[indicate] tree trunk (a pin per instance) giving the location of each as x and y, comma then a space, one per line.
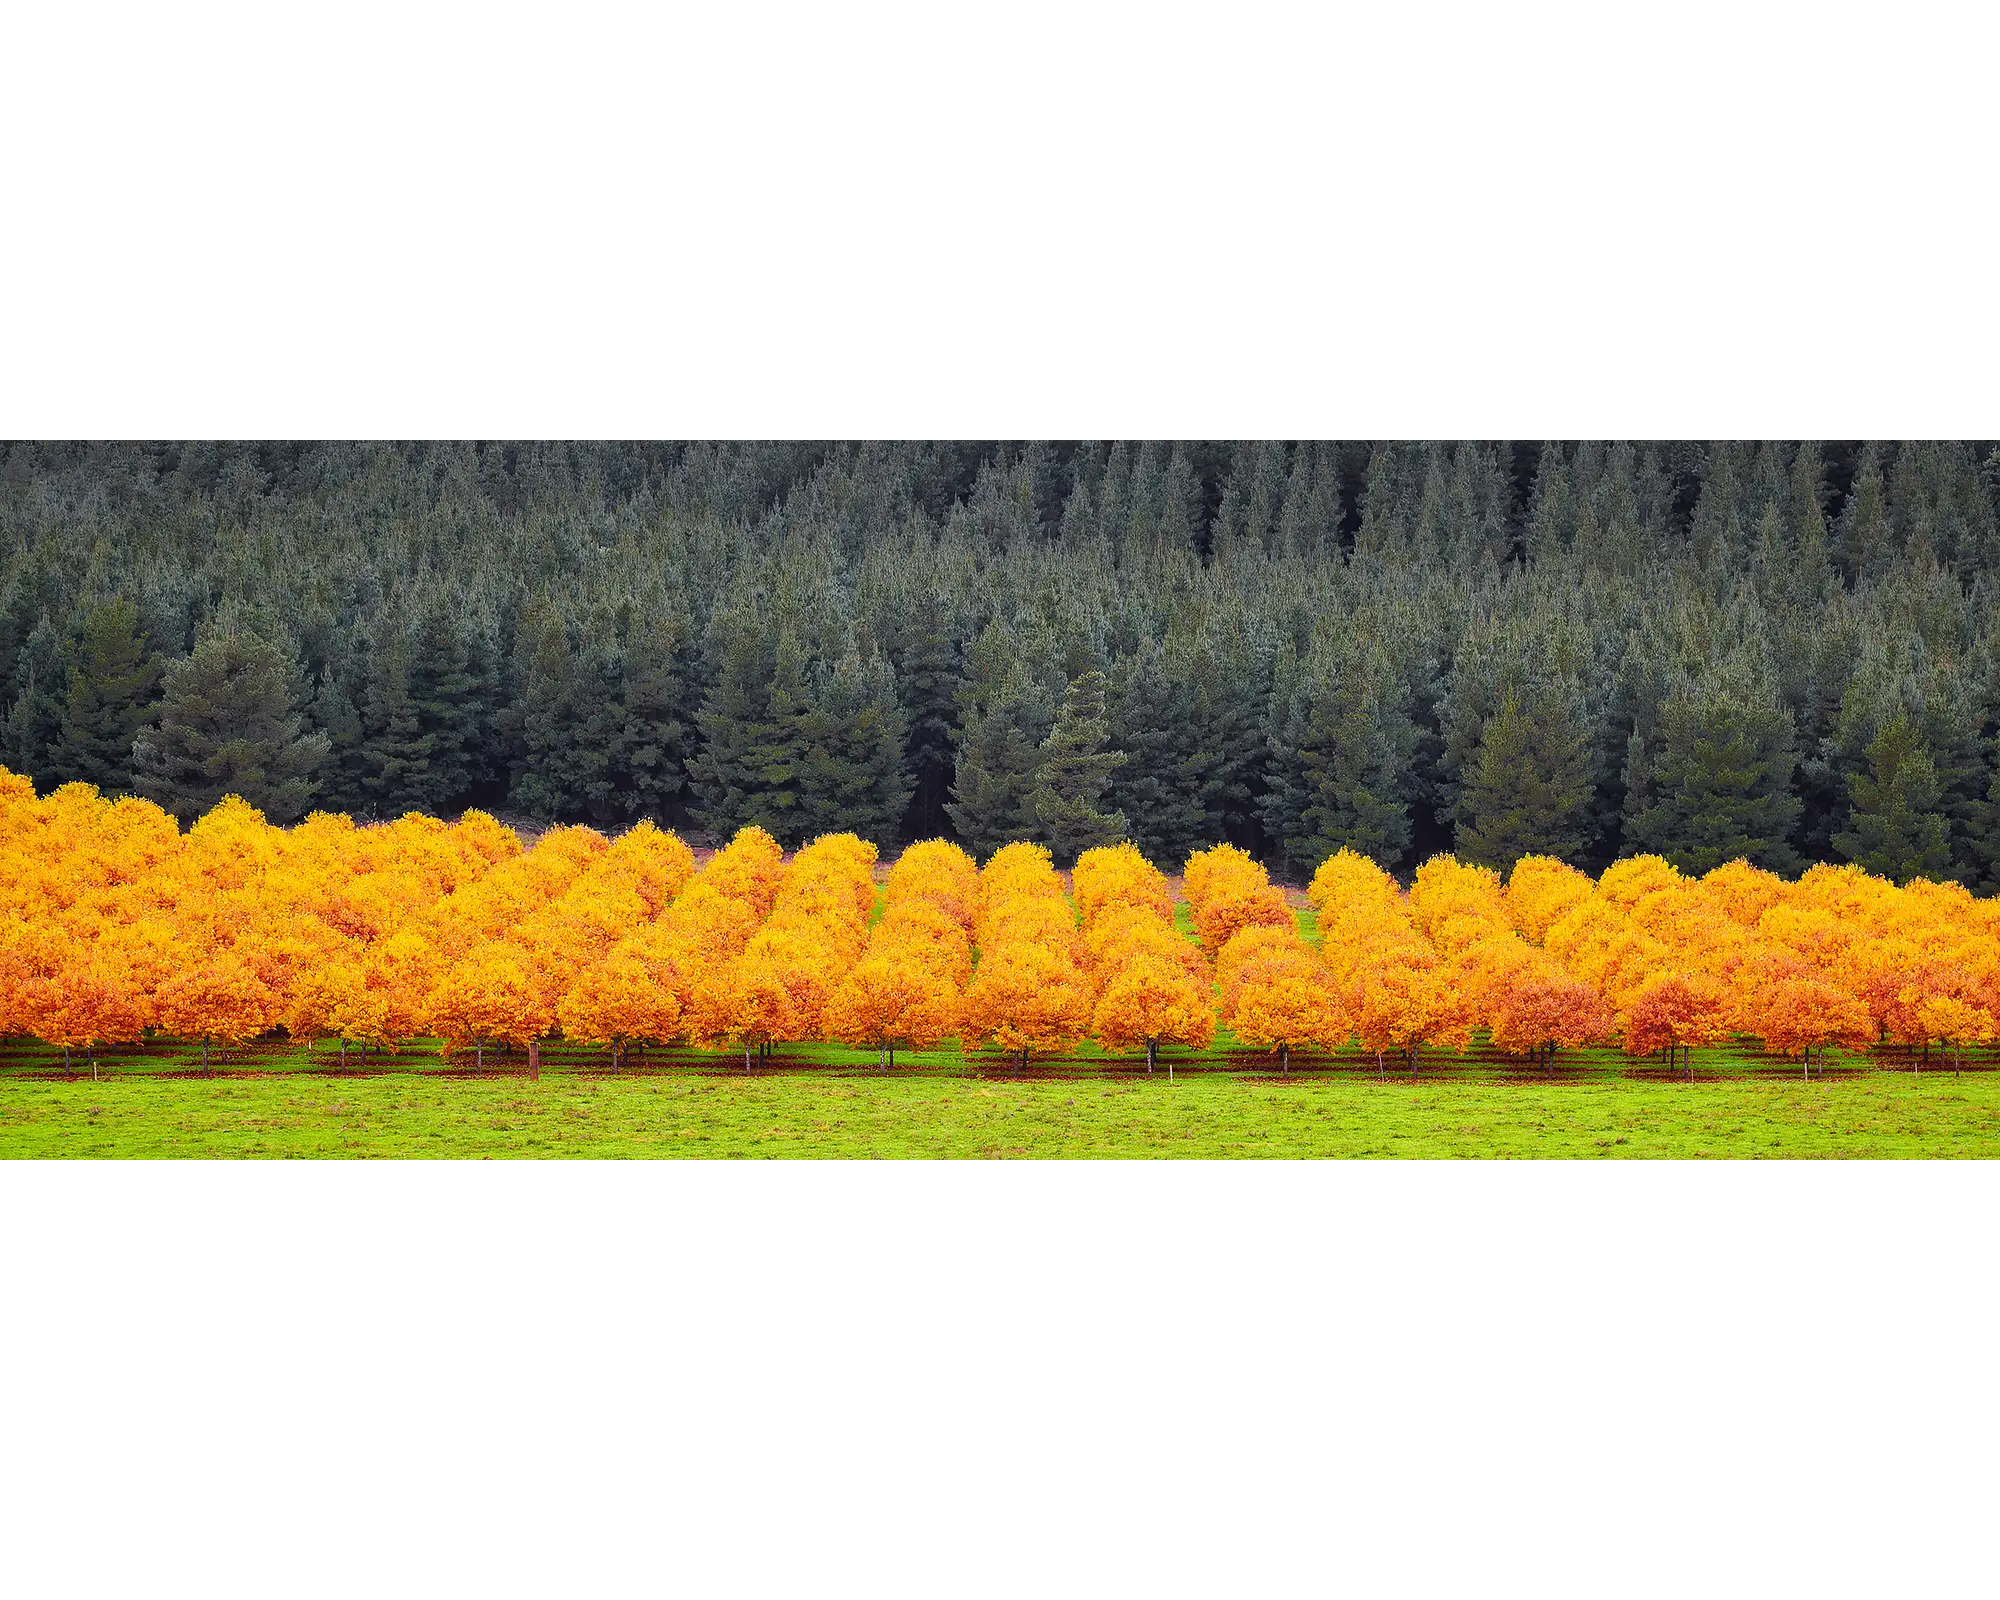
93, 1066
343, 1052
1380, 1070
1285, 1059
535, 1059
1152, 1051
479, 1055
746, 1058
892, 1058
205, 1072
67, 1073
882, 1058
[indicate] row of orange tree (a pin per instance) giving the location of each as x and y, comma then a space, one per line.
114, 923
908, 988
1031, 990
1276, 993
1152, 986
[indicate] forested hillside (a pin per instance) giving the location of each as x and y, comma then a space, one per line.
1782, 652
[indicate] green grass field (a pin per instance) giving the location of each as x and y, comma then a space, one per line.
799, 1114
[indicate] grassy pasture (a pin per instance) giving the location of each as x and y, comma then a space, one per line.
785, 1112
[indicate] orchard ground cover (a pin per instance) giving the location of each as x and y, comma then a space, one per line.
798, 1114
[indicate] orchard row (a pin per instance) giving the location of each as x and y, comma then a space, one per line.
114, 926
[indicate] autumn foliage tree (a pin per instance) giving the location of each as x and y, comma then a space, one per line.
1030, 991
907, 990
116, 924
1153, 986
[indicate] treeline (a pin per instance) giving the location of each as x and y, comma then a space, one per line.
1777, 652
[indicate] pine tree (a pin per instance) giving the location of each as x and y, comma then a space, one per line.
653, 740
1720, 529
543, 784
1232, 682
227, 725
753, 742
1183, 521
447, 691
998, 757
1342, 743
1154, 720
852, 776
395, 750
1864, 548
1075, 769
1005, 714
926, 659
1552, 507
1528, 791
113, 682
1720, 787
1309, 524
33, 729
343, 776
597, 719
1894, 829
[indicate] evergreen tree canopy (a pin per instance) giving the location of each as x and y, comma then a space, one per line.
1074, 771
754, 738
1305, 643
1722, 787
852, 774
1528, 792
1342, 739
113, 680
227, 725
1895, 830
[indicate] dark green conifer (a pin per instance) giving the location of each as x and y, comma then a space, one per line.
1076, 766
853, 778
395, 750
1006, 716
1720, 787
33, 729
1528, 791
653, 734
1342, 739
114, 680
447, 691
753, 742
1865, 545
343, 776
543, 785
227, 725
1894, 829
925, 655
1155, 721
